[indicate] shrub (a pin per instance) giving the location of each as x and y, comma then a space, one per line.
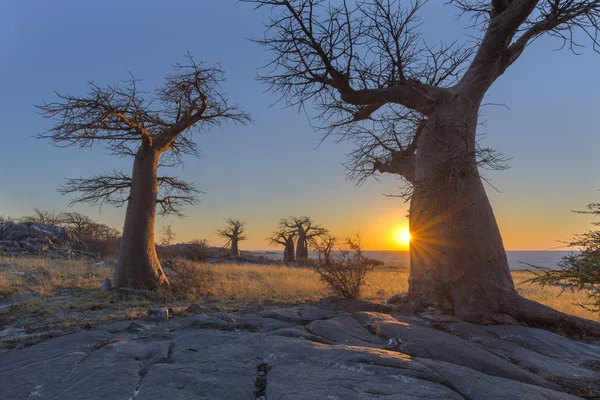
190, 281
345, 269
578, 271
196, 250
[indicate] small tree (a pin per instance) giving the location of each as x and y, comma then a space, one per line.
98, 237
234, 233
345, 270
155, 131
324, 245
168, 234
578, 271
285, 237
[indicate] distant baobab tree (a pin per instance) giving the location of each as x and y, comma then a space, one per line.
234, 233
412, 110
286, 237
155, 130
306, 230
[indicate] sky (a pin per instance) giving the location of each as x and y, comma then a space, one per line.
543, 112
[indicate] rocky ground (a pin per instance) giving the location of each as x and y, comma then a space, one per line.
331, 350
19, 239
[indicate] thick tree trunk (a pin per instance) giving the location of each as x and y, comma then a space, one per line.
288, 251
137, 265
458, 261
235, 249
301, 247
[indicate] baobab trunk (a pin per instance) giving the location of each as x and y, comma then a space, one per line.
458, 261
301, 246
235, 249
288, 252
137, 265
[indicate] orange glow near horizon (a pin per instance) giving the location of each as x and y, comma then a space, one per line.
402, 237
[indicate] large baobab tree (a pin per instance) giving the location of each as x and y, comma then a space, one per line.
234, 233
286, 237
307, 232
412, 110
155, 130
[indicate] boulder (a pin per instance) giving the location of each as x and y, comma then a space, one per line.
106, 285
158, 314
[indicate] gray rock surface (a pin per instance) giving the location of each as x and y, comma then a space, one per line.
158, 314
301, 352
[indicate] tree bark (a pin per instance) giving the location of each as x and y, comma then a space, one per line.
235, 249
301, 246
138, 266
458, 262
288, 251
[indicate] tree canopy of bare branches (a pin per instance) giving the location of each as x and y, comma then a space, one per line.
411, 109
157, 130
375, 80
285, 237
306, 231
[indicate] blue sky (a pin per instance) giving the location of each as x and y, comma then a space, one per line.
272, 168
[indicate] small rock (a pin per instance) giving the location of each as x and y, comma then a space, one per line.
197, 309
106, 285
158, 314
398, 298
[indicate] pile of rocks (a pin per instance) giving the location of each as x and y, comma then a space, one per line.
36, 239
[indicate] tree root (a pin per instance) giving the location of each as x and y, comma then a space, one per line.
533, 314
519, 311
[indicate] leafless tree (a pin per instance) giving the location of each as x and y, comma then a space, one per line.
286, 237
168, 234
97, 237
307, 232
45, 217
234, 233
324, 245
155, 130
412, 110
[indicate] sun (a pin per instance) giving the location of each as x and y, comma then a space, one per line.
402, 237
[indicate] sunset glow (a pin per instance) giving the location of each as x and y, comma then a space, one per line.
402, 237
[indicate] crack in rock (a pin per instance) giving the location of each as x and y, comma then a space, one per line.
260, 385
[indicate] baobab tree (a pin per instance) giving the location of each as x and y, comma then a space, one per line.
307, 232
155, 130
234, 233
412, 111
286, 237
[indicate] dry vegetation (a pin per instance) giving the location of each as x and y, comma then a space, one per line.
63, 294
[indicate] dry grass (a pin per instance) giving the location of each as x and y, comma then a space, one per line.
567, 301
227, 284
46, 276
